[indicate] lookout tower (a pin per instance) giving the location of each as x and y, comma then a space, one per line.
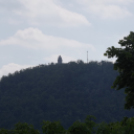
59, 60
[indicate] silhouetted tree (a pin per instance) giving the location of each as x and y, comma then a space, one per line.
125, 66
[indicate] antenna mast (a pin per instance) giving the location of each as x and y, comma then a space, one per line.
87, 56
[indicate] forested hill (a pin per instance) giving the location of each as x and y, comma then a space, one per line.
64, 92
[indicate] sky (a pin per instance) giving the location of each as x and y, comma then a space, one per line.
34, 32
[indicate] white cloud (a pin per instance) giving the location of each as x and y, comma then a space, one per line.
110, 11
107, 9
50, 12
35, 39
41, 12
11, 68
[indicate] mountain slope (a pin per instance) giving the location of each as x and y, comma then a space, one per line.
65, 92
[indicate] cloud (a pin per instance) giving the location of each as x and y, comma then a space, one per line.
35, 39
107, 9
11, 68
50, 12
41, 12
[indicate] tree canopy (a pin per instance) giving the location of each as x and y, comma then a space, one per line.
125, 66
63, 92
89, 126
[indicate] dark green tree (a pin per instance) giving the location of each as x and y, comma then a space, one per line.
90, 123
79, 128
4, 131
52, 127
24, 128
125, 66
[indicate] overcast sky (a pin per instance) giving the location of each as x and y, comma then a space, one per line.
34, 32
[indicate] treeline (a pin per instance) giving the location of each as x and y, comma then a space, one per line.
87, 127
62, 92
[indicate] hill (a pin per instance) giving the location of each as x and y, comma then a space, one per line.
64, 92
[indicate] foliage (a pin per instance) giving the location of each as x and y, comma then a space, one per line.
126, 126
79, 128
24, 128
83, 128
20, 128
65, 92
4, 131
52, 127
90, 123
125, 66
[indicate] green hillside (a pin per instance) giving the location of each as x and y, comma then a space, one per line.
62, 92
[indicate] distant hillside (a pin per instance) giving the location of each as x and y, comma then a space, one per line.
64, 92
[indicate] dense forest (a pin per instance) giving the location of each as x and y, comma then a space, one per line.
61, 92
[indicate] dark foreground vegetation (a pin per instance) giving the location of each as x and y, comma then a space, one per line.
126, 126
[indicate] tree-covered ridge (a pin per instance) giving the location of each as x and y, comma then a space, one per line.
62, 92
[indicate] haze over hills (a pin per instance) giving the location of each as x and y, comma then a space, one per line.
64, 92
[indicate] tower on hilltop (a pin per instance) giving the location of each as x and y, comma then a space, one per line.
59, 60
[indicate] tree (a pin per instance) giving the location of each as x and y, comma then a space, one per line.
59, 60
52, 127
4, 131
24, 128
125, 66
80, 62
89, 121
83, 128
79, 128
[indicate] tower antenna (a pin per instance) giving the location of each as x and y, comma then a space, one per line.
87, 56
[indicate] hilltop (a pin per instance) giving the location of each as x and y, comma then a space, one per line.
64, 92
